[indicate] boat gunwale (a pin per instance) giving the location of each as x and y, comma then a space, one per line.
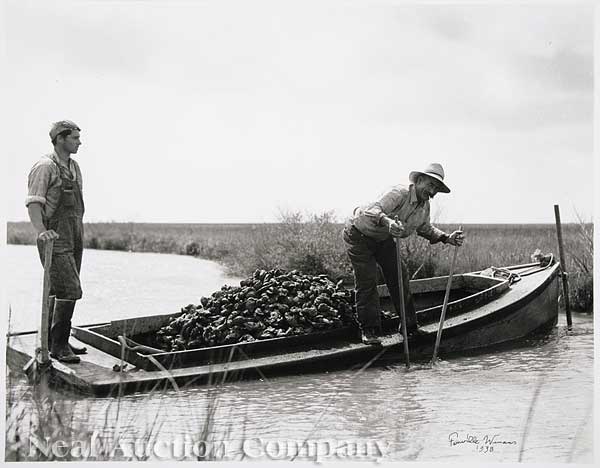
183, 358
189, 377
132, 357
502, 312
529, 294
471, 301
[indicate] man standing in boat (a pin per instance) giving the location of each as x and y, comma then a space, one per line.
55, 206
369, 237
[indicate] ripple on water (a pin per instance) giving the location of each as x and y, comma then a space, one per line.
414, 411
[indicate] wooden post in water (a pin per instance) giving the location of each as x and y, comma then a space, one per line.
565, 283
402, 306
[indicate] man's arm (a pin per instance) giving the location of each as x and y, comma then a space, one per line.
35, 215
379, 210
37, 187
431, 233
434, 235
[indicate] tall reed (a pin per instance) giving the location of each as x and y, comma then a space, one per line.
313, 243
43, 424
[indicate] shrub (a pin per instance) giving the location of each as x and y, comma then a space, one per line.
312, 243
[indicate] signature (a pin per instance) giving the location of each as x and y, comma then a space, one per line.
483, 444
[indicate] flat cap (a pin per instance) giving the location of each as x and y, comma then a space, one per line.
61, 126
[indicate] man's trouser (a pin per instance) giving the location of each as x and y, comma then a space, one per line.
365, 254
65, 285
66, 259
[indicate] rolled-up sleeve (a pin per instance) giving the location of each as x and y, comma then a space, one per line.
385, 205
429, 231
38, 183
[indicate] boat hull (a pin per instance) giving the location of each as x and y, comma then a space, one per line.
526, 307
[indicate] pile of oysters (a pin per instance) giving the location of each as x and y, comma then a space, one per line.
269, 304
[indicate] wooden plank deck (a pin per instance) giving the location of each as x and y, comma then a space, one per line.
95, 374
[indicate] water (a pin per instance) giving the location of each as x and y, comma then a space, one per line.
115, 285
532, 403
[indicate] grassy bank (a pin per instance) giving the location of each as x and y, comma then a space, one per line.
313, 245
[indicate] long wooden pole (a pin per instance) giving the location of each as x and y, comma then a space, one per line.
36, 368
438, 338
402, 307
563, 266
43, 354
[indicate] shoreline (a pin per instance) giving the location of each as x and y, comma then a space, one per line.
314, 246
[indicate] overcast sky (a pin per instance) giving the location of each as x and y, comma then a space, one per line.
221, 111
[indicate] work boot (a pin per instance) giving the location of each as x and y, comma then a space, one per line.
412, 325
368, 336
413, 330
60, 331
416, 332
75, 349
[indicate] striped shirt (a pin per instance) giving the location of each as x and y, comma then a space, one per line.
43, 185
401, 202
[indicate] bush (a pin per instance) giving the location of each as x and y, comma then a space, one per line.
313, 243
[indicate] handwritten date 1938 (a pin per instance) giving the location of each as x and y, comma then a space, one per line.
483, 444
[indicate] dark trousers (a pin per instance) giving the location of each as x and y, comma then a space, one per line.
66, 258
365, 254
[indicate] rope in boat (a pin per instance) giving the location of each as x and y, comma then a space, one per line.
514, 277
536, 269
503, 273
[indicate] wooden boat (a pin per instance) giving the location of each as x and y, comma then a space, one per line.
486, 308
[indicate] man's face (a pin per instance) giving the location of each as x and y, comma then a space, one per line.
426, 188
71, 143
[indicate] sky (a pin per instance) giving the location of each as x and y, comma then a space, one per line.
226, 111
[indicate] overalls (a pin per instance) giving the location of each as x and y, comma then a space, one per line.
67, 221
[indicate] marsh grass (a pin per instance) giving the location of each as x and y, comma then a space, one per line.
43, 417
312, 243
43, 424
101, 429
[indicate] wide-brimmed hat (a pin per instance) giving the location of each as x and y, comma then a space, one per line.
435, 171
